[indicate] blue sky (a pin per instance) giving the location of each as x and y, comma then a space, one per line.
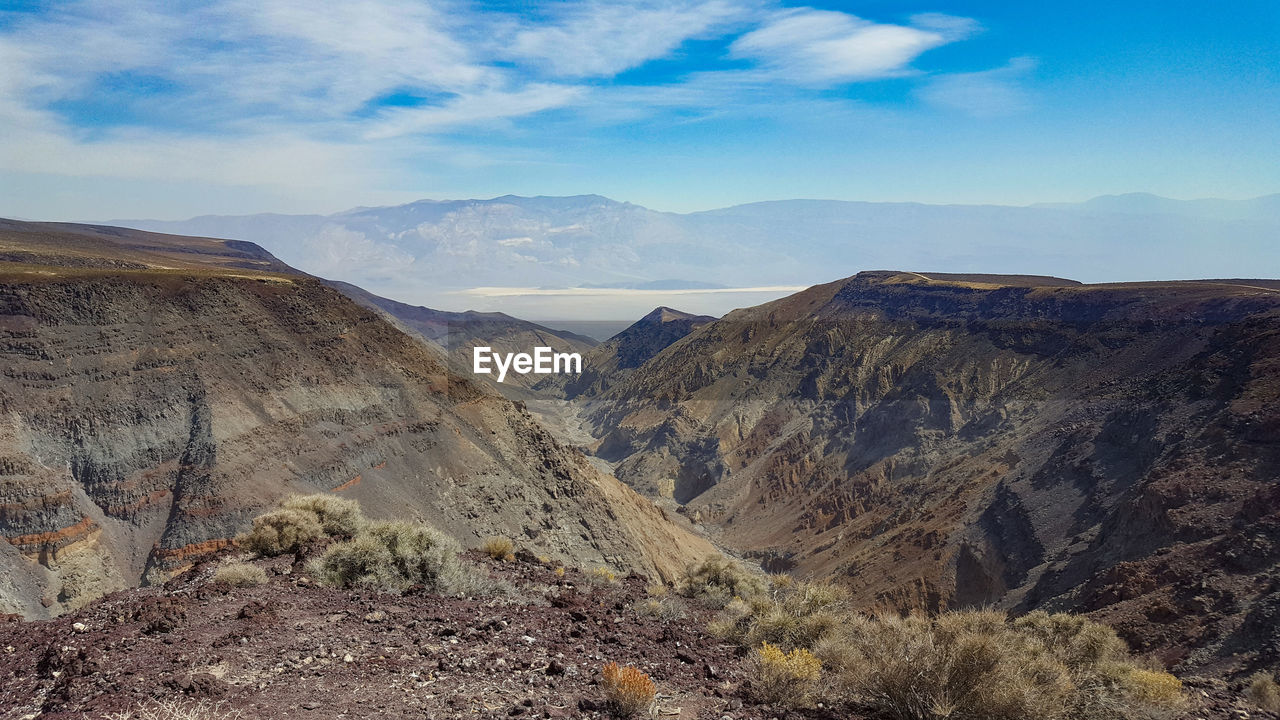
172, 109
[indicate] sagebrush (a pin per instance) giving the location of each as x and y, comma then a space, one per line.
282, 531
337, 516
961, 665
392, 556
717, 580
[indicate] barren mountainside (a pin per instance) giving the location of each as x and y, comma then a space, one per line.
621, 354
159, 391
457, 333
946, 441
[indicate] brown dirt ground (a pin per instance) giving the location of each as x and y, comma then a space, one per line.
291, 649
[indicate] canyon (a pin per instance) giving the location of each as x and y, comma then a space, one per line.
159, 391
937, 442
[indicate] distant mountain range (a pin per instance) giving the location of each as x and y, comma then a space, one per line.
426, 252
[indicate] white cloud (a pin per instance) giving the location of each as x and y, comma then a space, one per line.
601, 39
291, 94
480, 107
826, 47
988, 93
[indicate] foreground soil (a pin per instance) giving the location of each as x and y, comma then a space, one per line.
290, 649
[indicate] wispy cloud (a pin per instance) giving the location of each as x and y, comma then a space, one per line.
301, 94
825, 47
602, 39
988, 93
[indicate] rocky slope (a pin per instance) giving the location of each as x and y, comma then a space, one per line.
1027, 442
159, 390
620, 355
289, 648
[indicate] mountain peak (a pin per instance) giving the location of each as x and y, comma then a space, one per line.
663, 314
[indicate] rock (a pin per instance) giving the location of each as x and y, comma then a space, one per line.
347, 658
79, 627
555, 668
376, 616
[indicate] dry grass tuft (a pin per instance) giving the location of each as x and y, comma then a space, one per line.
667, 608
627, 690
601, 576
1263, 691
239, 574
175, 710
499, 548
782, 678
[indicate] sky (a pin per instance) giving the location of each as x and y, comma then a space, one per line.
171, 109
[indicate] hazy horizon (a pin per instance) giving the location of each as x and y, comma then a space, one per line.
155, 110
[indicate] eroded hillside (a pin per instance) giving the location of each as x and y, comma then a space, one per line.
160, 390
937, 442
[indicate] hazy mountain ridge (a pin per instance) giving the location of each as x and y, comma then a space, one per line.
421, 251
457, 333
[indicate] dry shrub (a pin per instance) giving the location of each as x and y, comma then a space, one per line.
499, 548
972, 665
782, 678
666, 608
793, 614
392, 556
601, 576
717, 581
1263, 691
337, 516
281, 531
239, 574
175, 710
1078, 642
627, 690
963, 665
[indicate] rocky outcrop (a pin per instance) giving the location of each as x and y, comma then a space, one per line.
936, 442
621, 354
147, 414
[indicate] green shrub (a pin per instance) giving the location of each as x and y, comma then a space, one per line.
392, 556
1263, 691
281, 531
337, 516
717, 580
239, 574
